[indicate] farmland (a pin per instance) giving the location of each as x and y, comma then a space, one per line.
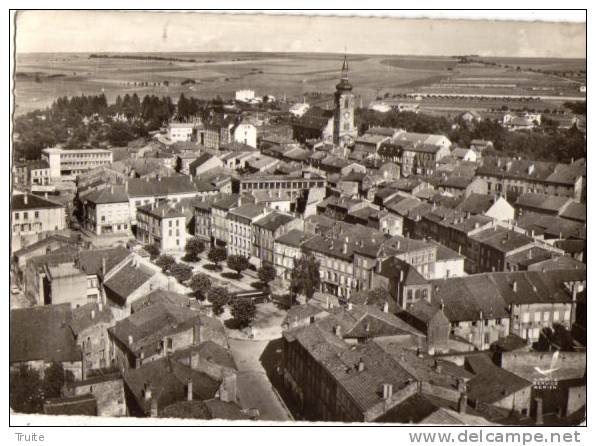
40, 78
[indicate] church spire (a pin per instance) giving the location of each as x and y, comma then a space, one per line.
344, 67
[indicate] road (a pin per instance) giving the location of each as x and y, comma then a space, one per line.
254, 388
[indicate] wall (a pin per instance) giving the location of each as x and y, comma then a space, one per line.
71, 289
109, 395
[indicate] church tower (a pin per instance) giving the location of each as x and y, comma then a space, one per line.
344, 130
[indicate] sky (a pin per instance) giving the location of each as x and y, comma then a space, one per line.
105, 31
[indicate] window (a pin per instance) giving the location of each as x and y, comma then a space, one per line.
546, 316
36, 214
25, 215
537, 316
103, 218
17, 216
567, 315
526, 318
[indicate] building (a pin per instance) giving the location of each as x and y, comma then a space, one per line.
287, 249
244, 133
40, 336
514, 177
269, 228
31, 217
162, 225
404, 283
180, 131
333, 377
174, 188
31, 173
107, 211
295, 184
245, 95
65, 164
89, 324
240, 228
494, 207
107, 392
298, 110
204, 163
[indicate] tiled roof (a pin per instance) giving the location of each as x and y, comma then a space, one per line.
112, 194
209, 351
552, 225
85, 405
250, 210
167, 380
476, 203
294, 237
149, 325
17, 203
160, 211
90, 261
42, 333
392, 268
159, 296
127, 280
502, 239
176, 184
491, 383
273, 221
88, 315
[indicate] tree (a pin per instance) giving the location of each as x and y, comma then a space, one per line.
181, 271
200, 284
238, 263
152, 250
26, 390
267, 273
244, 311
219, 297
54, 378
194, 247
305, 276
217, 254
165, 262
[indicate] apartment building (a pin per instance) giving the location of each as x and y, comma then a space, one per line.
294, 184
287, 249
65, 165
162, 225
240, 228
267, 229
32, 216
107, 211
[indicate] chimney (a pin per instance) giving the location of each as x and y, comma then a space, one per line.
126, 186
196, 334
514, 286
193, 360
345, 248
189, 390
387, 391
438, 368
337, 331
463, 402
350, 306
103, 266
147, 392
154, 408
92, 314
360, 365
100, 305
130, 339
386, 307
539, 411
25, 198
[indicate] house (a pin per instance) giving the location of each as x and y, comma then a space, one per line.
107, 211
40, 336
463, 154
470, 117
107, 391
156, 331
89, 325
162, 225
31, 217
173, 188
430, 320
180, 131
563, 207
404, 283
497, 388
204, 163
480, 145
240, 228
267, 229
131, 282
350, 381
494, 207
244, 133
514, 177
287, 249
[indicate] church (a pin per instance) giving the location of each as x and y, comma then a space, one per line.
331, 126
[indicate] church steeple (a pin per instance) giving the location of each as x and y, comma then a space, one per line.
344, 83
344, 68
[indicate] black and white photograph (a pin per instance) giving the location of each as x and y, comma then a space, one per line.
270, 218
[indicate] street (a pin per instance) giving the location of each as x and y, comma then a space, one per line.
254, 388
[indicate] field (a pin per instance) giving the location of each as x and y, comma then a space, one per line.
40, 78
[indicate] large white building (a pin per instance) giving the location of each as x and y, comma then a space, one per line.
65, 165
245, 133
245, 95
180, 131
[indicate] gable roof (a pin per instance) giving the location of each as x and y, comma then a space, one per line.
25, 202
91, 261
175, 184
107, 195
127, 280
42, 333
